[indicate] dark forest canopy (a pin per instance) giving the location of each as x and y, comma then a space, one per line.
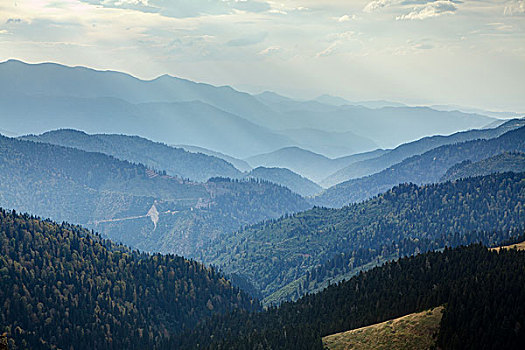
64, 286
301, 253
483, 293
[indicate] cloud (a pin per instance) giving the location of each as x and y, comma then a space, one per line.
341, 36
270, 50
250, 6
515, 7
330, 50
248, 40
338, 42
278, 12
185, 8
378, 4
346, 18
423, 46
429, 10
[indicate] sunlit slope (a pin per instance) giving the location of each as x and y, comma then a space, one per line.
416, 331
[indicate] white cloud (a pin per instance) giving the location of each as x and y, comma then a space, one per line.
378, 4
346, 18
429, 10
330, 50
217, 41
338, 43
515, 7
270, 50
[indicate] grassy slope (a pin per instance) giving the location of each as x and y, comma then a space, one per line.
414, 331
518, 246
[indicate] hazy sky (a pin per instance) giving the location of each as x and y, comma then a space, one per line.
417, 51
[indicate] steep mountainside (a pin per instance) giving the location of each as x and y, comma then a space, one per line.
280, 256
175, 161
131, 203
287, 178
63, 286
238, 163
482, 290
513, 161
426, 168
374, 165
306, 163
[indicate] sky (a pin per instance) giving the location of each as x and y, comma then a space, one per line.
468, 53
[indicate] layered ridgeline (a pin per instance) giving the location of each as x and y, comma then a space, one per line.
509, 161
131, 203
307, 163
425, 168
175, 161
482, 292
371, 166
301, 253
64, 287
40, 97
236, 162
287, 178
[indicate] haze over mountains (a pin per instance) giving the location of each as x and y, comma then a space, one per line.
428, 167
337, 214
48, 96
373, 165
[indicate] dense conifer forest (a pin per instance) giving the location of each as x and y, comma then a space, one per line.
63, 286
301, 253
482, 290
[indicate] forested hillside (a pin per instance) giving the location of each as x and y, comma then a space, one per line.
482, 292
280, 256
287, 178
131, 203
398, 154
63, 286
175, 161
426, 168
511, 161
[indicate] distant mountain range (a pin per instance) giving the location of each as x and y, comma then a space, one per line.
38, 97
428, 167
309, 164
377, 164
